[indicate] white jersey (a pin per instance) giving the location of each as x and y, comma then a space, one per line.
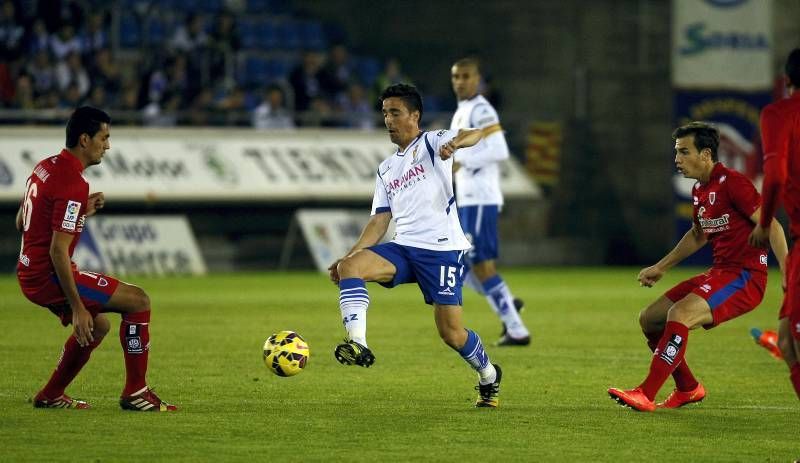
416, 186
478, 179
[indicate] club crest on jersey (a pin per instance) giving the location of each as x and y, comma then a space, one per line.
414, 160
712, 197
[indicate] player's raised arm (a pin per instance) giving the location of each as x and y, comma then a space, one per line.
465, 138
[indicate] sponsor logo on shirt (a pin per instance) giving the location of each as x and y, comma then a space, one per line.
763, 259
714, 225
24, 260
409, 178
67, 225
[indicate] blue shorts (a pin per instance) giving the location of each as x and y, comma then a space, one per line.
480, 225
438, 273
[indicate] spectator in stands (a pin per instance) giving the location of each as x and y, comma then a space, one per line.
190, 36
56, 13
129, 98
95, 37
97, 97
65, 42
71, 97
23, 93
224, 43
162, 113
11, 33
272, 113
391, 75
305, 83
337, 73
357, 111
232, 106
37, 38
71, 72
105, 73
202, 108
42, 72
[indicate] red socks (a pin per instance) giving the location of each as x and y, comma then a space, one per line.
666, 358
794, 375
73, 358
684, 379
134, 335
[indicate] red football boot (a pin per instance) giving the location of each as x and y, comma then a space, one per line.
145, 401
680, 398
64, 401
633, 398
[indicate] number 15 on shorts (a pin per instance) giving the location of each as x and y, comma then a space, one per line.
447, 275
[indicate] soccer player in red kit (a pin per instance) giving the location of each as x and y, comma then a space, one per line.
780, 135
726, 208
51, 219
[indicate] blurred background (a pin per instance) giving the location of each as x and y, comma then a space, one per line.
252, 127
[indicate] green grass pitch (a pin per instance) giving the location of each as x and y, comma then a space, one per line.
416, 403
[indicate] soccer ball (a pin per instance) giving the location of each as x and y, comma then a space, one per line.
286, 353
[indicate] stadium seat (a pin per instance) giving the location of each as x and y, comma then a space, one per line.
248, 33
368, 69
129, 31
312, 35
155, 31
255, 71
267, 35
258, 6
289, 35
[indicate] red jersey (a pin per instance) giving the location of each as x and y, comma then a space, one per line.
722, 210
55, 200
780, 135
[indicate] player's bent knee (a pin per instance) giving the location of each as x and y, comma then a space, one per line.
349, 268
132, 299
101, 326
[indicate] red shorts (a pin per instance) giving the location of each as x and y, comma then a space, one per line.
94, 289
729, 292
791, 300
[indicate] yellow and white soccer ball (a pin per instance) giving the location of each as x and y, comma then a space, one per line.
286, 353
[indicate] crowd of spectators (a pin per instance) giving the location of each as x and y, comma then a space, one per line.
61, 54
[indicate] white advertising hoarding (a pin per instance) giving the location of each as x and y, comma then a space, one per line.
139, 245
222, 164
720, 44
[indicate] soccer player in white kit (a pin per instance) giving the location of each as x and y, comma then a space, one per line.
479, 199
415, 187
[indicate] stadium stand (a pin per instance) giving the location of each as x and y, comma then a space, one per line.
160, 62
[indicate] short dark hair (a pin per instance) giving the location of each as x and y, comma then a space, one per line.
792, 68
469, 61
85, 119
406, 92
705, 136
